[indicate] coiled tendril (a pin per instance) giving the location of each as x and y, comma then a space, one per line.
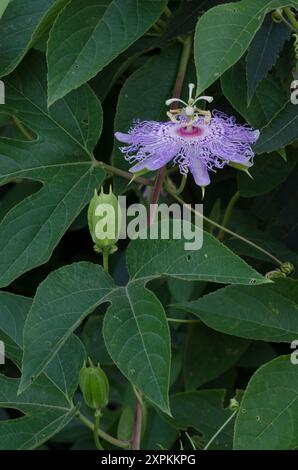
295, 35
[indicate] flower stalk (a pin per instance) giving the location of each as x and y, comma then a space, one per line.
106, 437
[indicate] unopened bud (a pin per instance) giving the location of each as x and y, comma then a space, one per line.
104, 220
287, 268
94, 385
277, 274
234, 404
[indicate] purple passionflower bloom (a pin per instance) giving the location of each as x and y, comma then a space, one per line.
195, 140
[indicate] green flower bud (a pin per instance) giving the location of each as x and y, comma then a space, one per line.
104, 220
94, 385
287, 268
234, 404
277, 274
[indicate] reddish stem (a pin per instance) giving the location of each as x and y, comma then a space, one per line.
156, 194
136, 438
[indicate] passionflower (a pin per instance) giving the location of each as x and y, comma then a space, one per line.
196, 140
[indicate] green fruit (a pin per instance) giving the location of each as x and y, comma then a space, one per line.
104, 220
95, 386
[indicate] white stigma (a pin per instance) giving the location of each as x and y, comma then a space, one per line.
209, 99
172, 100
191, 87
189, 109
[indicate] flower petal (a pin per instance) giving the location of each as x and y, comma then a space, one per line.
126, 138
153, 162
200, 172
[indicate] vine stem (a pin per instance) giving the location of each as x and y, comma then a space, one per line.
136, 437
105, 166
220, 429
185, 56
112, 440
228, 214
177, 320
230, 232
156, 193
124, 174
96, 429
105, 255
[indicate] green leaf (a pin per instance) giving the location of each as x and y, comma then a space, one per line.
63, 370
272, 245
62, 301
60, 157
263, 52
267, 313
213, 262
268, 100
268, 416
21, 25
142, 349
257, 354
46, 411
47, 406
16, 194
282, 130
204, 411
158, 434
14, 310
137, 337
93, 341
88, 35
209, 354
132, 58
224, 33
3, 7
268, 172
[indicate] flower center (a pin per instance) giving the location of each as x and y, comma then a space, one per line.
193, 131
189, 109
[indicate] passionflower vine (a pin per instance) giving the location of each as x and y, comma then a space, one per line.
194, 139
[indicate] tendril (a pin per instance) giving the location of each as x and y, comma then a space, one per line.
295, 35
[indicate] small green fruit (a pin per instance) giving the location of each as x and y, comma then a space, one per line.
94, 385
104, 220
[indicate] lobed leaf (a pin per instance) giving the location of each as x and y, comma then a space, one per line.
87, 35
60, 157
